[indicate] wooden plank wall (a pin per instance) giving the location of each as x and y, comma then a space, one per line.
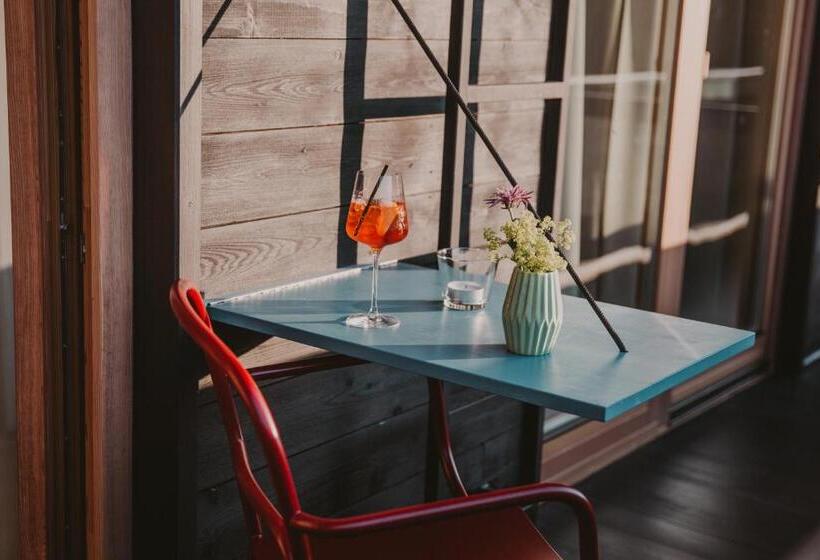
296, 95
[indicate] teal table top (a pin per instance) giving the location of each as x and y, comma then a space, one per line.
585, 374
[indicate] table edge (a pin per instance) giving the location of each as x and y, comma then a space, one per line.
444, 373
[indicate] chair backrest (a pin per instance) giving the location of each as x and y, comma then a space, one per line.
266, 524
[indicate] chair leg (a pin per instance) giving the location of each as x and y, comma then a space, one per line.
432, 461
439, 444
587, 532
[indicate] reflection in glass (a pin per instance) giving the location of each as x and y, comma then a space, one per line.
617, 118
723, 277
622, 60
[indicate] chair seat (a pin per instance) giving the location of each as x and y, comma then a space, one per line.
499, 535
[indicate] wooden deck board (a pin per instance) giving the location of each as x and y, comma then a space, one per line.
739, 482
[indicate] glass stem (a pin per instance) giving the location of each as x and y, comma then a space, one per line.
373, 314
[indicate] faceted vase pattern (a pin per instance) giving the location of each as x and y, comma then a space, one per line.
533, 312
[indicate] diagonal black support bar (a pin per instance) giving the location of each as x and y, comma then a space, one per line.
453, 90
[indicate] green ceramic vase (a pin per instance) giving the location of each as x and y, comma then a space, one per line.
533, 312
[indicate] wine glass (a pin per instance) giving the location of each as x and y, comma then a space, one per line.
377, 217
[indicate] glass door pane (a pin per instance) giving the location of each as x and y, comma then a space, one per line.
619, 109
733, 187
618, 113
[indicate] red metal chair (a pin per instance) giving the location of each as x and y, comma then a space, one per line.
488, 526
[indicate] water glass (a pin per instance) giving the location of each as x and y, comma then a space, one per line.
466, 276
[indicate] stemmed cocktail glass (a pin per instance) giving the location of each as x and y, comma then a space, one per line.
377, 217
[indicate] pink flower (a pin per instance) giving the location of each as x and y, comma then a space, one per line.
509, 197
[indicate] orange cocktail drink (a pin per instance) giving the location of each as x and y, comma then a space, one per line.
383, 223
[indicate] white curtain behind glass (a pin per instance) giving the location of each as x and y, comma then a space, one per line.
609, 157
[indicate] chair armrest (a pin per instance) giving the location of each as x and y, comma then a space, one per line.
455, 507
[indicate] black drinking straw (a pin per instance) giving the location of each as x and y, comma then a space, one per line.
370, 200
451, 87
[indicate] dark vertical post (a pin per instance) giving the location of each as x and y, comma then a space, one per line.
353, 128
452, 172
555, 110
432, 475
164, 390
532, 443
793, 298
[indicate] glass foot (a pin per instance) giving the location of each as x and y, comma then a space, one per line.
364, 321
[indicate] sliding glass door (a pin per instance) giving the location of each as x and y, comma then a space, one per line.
617, 175
672, 175
733, 191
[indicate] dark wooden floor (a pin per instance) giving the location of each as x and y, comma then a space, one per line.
741, 481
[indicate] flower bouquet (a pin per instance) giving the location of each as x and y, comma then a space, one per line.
533, 308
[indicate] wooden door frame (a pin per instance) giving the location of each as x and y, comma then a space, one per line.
105, 28
799, 170
106, 171
798, 243
29, 156
687, 85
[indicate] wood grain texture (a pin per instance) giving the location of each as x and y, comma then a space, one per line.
190, 135
492, 464
512, 62
252, 255
8, 432
357, 471
517, 135
269, 83
247, 176
327, 477
253, 175
738, 482
311, 411
323, 19
32, 347
339, 19
107, 170
317, 409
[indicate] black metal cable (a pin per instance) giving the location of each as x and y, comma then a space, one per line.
506, 170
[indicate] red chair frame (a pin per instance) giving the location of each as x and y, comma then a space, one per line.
284, 533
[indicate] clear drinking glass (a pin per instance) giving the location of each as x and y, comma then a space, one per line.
377, 217
467, 276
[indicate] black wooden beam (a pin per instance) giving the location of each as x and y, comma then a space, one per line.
164, 394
